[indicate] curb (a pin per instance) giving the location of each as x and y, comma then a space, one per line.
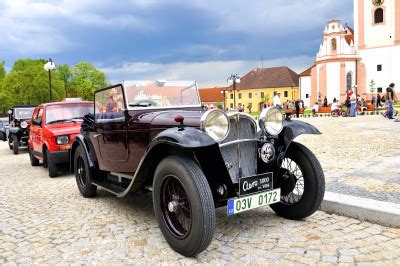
364, 209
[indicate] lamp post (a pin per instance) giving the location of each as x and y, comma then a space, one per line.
234, 79
224, 93
48, 67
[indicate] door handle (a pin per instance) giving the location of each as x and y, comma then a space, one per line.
97, 135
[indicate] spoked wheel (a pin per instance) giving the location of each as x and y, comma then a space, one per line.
183, 205
175, 207
82, 174
15, 144
292, 182
302, 183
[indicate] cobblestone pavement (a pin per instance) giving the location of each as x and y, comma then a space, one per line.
46, 221
360, 156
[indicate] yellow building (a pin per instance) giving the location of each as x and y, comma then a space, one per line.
259, 85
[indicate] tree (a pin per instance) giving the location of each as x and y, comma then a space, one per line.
64, 72
2, 70
27, 83
85, 80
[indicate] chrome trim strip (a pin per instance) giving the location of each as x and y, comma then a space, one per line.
237, 141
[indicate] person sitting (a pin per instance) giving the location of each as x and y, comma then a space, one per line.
315, 108
335, 109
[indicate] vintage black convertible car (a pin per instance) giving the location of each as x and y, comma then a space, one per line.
154, 136
19, 118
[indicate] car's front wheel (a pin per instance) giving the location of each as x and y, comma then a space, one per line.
302, 183
33, 159
52, 167
15, 144
82, 174
3, 136
183, 205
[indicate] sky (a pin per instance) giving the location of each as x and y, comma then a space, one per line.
203, 40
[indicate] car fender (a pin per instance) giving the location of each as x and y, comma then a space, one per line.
14, 130
189, 142
80, 140
291, 130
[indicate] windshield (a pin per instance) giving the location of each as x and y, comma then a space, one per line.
161, 93
67, 112
23, 113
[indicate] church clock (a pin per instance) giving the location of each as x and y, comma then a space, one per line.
378, 2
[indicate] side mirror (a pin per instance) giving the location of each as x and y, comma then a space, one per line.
37, 122
9, 112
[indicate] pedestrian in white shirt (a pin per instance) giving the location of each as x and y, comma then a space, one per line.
315, 108
277, 101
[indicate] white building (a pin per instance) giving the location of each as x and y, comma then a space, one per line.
368, 56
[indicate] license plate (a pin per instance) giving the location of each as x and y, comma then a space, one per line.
255, 184
242, 204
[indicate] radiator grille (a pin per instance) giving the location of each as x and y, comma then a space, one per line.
240, 157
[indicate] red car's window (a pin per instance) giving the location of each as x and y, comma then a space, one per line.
67, 112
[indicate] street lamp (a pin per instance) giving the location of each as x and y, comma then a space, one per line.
48, 67
234, 79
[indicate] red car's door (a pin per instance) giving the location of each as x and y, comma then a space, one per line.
37, 132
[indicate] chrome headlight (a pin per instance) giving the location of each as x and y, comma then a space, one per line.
62, 140
271, 121
215, 123
24, 124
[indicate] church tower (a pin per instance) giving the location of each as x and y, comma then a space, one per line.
377, 40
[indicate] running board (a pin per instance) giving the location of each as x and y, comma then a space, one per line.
109, 187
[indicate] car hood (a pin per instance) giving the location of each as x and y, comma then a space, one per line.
64, 128
166, 119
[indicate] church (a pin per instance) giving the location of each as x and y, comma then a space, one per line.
365, 59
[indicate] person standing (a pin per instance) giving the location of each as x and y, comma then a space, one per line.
325, 102
297, 106
378, 101
390, 98
353, 101
373, 100
277, 101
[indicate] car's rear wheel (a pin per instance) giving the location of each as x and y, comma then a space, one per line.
183, 205
302, 184
82, 174
33, 159
3, 136
15, 144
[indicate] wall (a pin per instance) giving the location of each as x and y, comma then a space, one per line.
305, 88
256, 96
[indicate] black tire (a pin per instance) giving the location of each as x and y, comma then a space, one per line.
82, 174
313, 185
15, 144
45, 163
3, 136
52, 167
10, 146
199, 203
34, 161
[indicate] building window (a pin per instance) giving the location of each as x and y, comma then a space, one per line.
379, 67
349, 81
231, 96
239, 96
250, 95
378, 15
307, 96
379, 90
285, 94
262, 95
333, 44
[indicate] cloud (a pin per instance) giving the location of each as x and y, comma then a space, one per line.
213, 73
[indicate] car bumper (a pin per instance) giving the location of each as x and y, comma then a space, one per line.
59, 156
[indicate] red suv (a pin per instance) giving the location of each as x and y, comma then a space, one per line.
54, 127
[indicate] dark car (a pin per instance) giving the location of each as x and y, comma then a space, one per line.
155, 136
54, 127
19, 118
3, 128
